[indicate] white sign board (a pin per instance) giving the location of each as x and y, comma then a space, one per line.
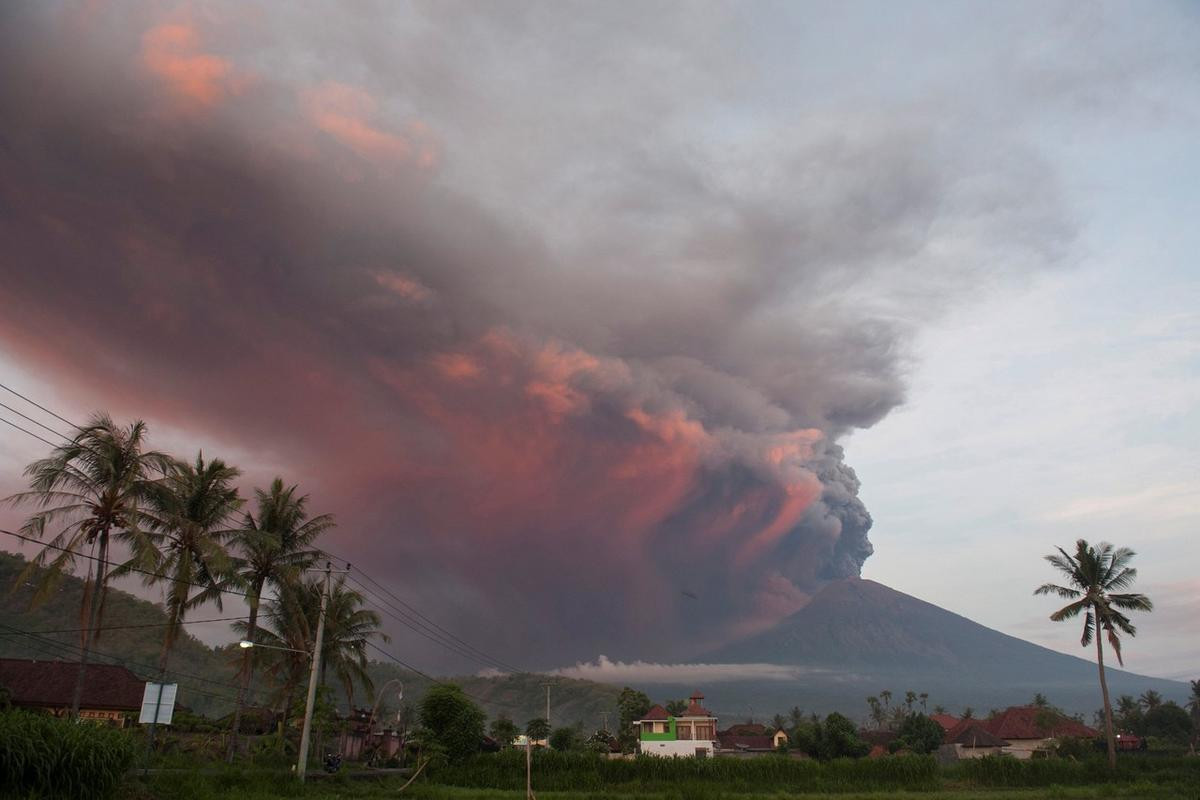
160, 696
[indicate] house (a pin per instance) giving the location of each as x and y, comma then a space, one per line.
1027, 729
735, 743
692, 733
110, 692
779, 738
948, 721
972, 740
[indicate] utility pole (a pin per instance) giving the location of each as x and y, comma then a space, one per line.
302, 764
604, 721
547, 685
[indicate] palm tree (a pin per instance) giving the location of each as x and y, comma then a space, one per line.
184, 546
96, 487
274, 546
1150, 699
1093, 574
291, 634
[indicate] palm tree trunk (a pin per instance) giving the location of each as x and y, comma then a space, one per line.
1108, 721
93, 621
247, 670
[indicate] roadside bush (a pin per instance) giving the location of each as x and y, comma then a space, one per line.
43, 756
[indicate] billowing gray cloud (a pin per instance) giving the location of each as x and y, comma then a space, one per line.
543, 302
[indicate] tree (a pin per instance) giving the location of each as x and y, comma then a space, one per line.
1040, 700
1096, 574
1193, 707
878, 714
537, 729
676, 707
93, 489
968, 713
778, 723
452, 720
273, 547
920, 734
924, 701
183, 546
601, 742
1150, 699
564, 739
631, 705
910, 699
837, 738
795, 716
504, 731
1169, 721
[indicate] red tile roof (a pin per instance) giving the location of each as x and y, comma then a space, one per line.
947, 721
694, 709
657, 713
51, 684
1021, 722
746, 729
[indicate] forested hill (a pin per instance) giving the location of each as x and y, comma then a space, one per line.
56, 622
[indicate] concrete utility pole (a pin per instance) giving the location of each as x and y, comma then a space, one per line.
547, 685
604, 721
302, 764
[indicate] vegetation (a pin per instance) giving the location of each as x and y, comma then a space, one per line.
454, 723
42, 756
272, 548
183, 546
1095, 575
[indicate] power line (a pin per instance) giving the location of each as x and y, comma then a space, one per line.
416, 627
124, 567
34, 421
31, 433
38, 405
434, 680
411, 617
426, 626
107, 628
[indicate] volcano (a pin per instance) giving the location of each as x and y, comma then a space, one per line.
857, 637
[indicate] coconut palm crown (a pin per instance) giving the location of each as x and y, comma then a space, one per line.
1095, 576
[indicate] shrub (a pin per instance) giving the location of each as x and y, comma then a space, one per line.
50, 757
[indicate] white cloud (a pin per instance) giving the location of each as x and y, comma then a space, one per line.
604, 670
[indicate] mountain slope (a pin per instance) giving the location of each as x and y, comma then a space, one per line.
861, 634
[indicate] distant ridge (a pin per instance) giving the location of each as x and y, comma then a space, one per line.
867, 637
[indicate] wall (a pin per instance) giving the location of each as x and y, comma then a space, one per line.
686, 749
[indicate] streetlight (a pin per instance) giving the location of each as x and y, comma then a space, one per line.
246, 644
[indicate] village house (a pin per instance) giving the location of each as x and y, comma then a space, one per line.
1025, 730
110, 693
692, 733
972, 740
749, 738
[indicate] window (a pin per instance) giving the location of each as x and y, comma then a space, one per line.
683, 730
